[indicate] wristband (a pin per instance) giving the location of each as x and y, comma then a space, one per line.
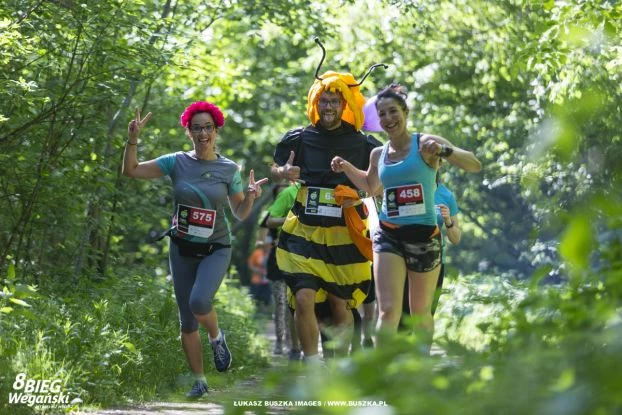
451, 225
446, 151
131, 144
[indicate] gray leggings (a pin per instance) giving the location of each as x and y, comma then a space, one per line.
196, 281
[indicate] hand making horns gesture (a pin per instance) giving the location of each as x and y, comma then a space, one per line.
133, 129
254, 187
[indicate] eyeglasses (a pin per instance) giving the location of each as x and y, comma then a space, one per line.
196, 129
332, 102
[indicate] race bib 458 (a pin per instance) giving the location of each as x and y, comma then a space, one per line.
407, 200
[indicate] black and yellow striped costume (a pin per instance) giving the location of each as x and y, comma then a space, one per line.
316, 251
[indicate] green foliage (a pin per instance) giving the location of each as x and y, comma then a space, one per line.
112, 343
505, 348
533, 88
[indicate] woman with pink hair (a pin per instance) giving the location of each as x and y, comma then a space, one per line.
204, 182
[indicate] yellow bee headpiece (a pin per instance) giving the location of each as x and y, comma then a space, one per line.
346, 85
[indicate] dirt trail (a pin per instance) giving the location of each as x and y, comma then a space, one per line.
203, 406
164, 408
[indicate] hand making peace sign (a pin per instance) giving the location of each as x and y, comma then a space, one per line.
254, 187
133, 129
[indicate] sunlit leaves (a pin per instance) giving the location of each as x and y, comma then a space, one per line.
577, 242
532, 88
19, 302
10, 275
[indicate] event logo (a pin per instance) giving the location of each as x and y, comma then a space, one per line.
40, 394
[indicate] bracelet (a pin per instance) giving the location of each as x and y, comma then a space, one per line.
131, 144
451, 225
446, 151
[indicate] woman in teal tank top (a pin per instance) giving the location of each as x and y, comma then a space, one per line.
406, 243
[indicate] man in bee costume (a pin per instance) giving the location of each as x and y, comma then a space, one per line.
322, 246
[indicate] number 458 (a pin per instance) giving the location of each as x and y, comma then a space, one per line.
410, 193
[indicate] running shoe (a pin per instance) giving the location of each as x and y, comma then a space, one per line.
199, 388
222, 355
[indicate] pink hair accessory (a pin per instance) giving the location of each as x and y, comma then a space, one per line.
202, 106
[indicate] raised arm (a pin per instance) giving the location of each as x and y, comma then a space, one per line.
367, 181
457, 156
451, 223
287, 171
131, 166
242, 204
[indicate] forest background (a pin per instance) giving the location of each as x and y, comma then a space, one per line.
531, 87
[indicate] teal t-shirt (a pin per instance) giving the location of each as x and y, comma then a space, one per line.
444, 196
200, 191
